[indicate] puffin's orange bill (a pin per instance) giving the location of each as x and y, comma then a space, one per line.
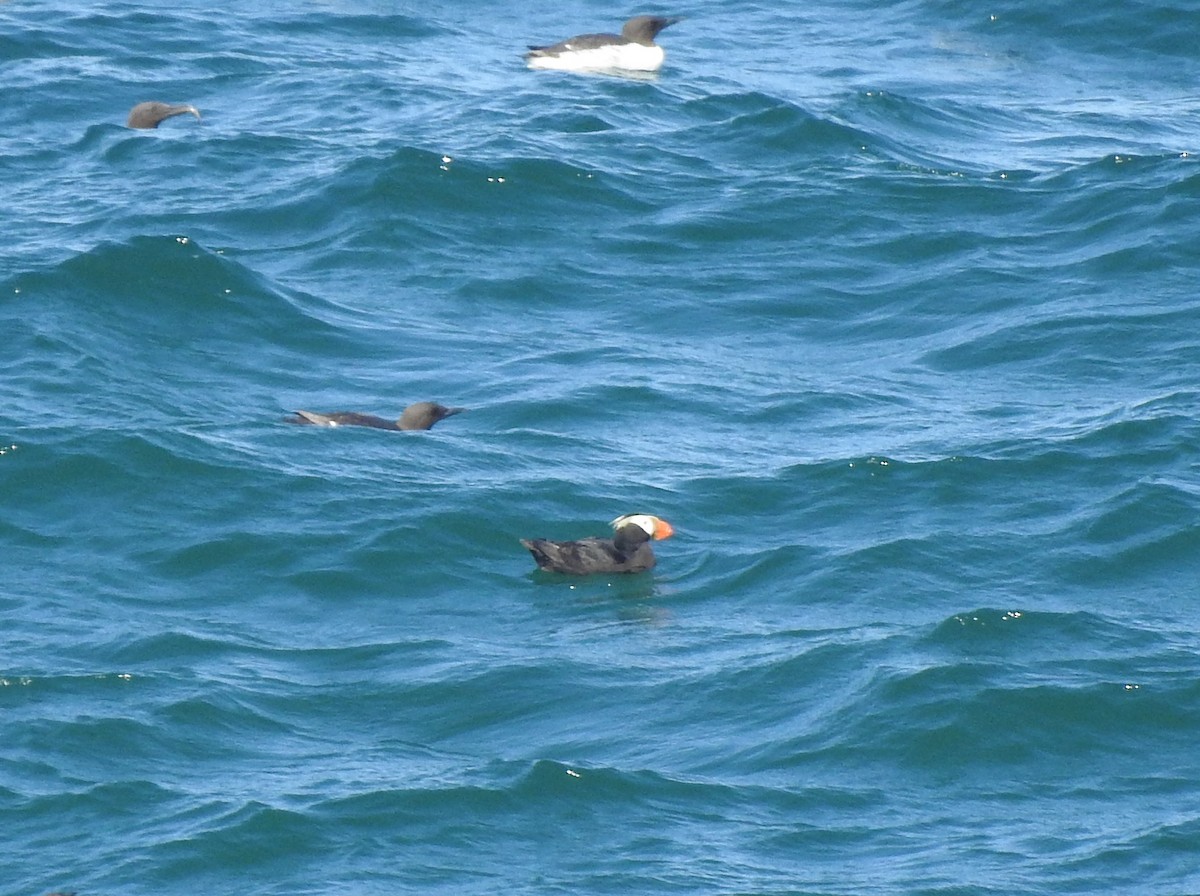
662, 529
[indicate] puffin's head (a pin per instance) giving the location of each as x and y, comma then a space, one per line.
654, 527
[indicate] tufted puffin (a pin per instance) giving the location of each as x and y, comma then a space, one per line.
627, 551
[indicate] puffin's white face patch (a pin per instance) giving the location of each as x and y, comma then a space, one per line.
645, 520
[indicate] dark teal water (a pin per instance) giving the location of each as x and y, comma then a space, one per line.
891, 310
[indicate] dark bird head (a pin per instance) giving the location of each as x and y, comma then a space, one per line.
424, 414
150, 115
643, 29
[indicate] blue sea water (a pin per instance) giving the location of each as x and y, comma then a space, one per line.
891, 310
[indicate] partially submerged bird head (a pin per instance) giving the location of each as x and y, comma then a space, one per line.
656, 528
643, 29
150, 115
424, 414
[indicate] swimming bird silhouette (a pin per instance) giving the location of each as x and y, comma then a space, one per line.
627, 551
422, 415
633, 49
150, 115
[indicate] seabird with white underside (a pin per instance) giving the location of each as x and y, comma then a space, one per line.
632, 50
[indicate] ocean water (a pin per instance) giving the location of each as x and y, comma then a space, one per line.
891, 310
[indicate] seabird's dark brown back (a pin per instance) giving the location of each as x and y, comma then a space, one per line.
638, 30
152, 114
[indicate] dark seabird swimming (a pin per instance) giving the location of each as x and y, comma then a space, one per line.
421, 415
633, 49
627, 551
150, 115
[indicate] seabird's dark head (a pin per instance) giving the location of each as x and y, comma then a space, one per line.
150, 115
424, 414
643, 29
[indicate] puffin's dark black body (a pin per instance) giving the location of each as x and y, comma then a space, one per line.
627, 551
